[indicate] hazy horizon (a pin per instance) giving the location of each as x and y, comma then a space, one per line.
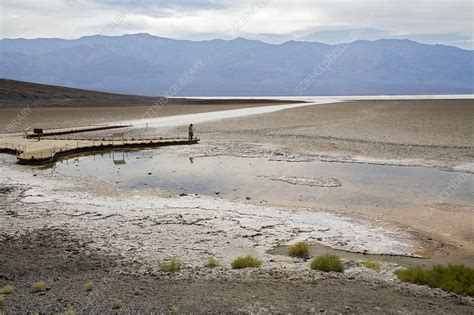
267, 20
266, 41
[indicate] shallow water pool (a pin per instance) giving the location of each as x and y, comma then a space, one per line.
265, 181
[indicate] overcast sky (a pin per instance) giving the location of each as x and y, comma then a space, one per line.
441, 21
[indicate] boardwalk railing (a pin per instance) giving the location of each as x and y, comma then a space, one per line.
64, 131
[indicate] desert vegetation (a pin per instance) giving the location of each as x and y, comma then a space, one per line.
70, 311
370, 264
89, 285
246, 262
8, 289
116, 304
327, 263
211, 263
39, 286
171, 266
300, 249
453, 278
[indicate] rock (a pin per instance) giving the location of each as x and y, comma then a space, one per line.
218, 192
149, 173
247, 198
182, 194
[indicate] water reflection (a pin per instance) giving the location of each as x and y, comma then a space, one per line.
239, 178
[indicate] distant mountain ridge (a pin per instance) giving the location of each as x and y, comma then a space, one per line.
27, 94
143, 64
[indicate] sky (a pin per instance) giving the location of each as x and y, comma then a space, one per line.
447, 22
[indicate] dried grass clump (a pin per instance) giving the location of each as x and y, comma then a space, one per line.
116, 304
300, 249
212, 263
246, 262
172, 266
327, 263
39, 286
369, 264
89, 286
8, 289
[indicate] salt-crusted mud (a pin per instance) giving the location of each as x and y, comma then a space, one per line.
66, 232
308, 181
146, 228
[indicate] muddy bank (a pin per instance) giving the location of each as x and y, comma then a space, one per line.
66, 263
148, 225
385, 261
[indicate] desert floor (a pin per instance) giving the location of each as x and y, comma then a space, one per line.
72, 222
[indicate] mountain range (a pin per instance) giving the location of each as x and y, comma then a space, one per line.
143, 64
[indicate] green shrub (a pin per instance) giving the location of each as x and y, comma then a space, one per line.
453, 278
171, 266
2, 298
211, 262
116, 304
369, 264
8, 289
89, 285
39, 286
300, 249
70, 311
327, 263
246, 262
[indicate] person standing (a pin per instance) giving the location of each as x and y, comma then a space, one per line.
191, 132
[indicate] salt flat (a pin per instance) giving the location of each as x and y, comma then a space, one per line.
77, 215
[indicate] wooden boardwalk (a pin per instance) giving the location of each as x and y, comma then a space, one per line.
34, 152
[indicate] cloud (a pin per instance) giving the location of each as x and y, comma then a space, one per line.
196, 19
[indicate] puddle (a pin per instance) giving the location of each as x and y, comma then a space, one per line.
316, 250
238, 178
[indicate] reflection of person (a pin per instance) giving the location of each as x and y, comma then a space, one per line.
191, 132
